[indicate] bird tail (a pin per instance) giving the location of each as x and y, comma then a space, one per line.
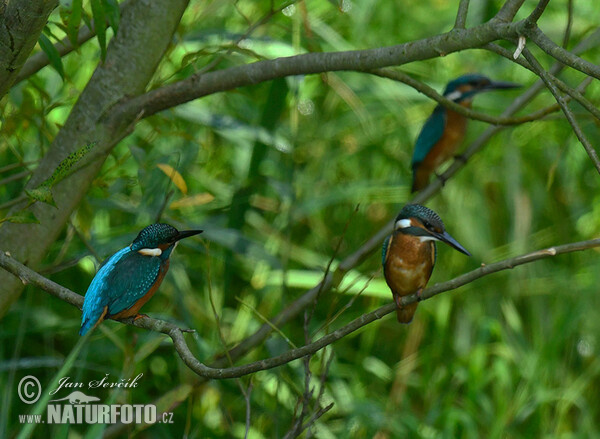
91, 318
406, 313
420, 178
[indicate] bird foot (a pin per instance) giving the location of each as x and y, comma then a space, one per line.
419, 291
139, 316
461, 158
398, 300
441, 178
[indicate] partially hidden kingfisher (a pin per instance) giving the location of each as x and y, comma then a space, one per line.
444, 130
130, 277
409, 254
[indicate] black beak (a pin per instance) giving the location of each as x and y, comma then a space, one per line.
445, 237
500, 85
186, 234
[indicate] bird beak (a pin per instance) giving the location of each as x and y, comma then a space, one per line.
186, 234
500, 85
445, 237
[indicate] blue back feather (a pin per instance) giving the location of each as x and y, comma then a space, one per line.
430, 134
384, 250
124, 279
95, 300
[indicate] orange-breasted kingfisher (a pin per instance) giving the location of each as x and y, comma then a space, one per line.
130, 277
444, 130
409, 254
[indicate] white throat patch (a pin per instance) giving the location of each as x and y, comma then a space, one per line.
427, 238
150, 252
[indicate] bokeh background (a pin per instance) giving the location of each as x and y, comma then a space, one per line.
273, 173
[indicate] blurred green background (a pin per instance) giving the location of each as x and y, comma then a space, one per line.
273, 174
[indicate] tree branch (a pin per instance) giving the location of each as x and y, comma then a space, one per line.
562, 55
399, 76
199, 85
27, 275
21, 23
564, 106
461, 15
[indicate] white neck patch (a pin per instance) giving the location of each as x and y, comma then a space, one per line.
454, 95
403, 223
150, 252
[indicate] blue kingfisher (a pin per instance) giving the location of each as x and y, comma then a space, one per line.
444, 130
130, 277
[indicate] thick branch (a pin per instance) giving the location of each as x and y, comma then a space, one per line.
21, 23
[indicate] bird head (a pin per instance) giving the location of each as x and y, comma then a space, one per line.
426, 225
465, 87
159, 239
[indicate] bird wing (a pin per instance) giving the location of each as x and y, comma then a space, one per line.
96, 297
133, 276
385, 250
430, 134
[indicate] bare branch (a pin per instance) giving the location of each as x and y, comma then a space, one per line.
565, 108
537, 12
176, 334
509, 10
461, 15
199, 85
451, 105
562, 55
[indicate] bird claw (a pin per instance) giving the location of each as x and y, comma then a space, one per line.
461, 158
419, 291
139, 316
441, 178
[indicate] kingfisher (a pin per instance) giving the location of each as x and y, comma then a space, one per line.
444, 130
409, 254
130, 277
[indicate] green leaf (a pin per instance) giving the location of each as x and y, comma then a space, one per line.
113, 13
100, 25
52, 54
64, 168
22, 217
41, 193
74, 21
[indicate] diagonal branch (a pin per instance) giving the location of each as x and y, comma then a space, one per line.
399, 76
564, 107
562, 55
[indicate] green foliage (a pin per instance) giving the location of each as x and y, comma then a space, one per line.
43, 191
273, 181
